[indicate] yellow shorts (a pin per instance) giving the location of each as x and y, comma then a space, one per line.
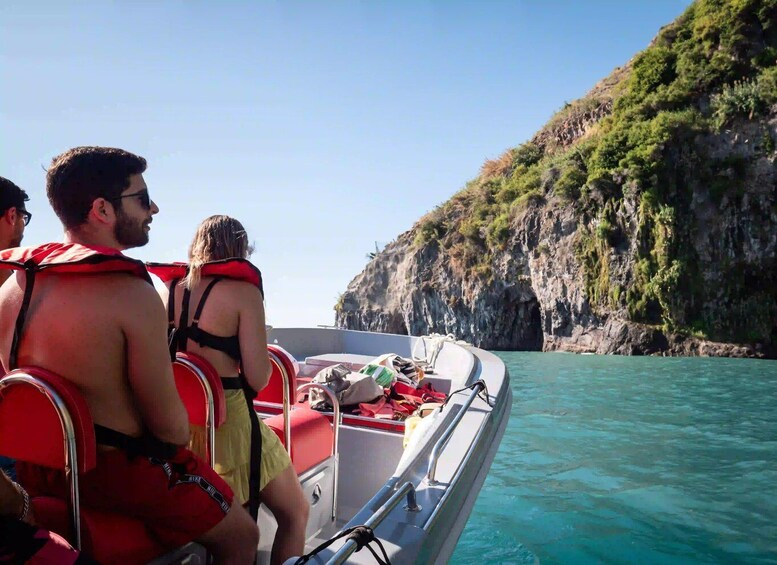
233, 447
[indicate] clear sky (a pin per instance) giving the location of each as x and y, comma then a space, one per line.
323, 126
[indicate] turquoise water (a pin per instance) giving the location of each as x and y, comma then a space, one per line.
631, 460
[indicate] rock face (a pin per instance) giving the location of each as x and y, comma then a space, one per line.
595, 272
537, 299
416, 292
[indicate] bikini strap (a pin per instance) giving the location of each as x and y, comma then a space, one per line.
201, 305
179, 337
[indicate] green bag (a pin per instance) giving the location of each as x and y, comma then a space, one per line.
384, 376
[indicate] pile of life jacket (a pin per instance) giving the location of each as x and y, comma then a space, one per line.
400, 401
403, 392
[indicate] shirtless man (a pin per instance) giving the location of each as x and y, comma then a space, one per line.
13, 217
106, 333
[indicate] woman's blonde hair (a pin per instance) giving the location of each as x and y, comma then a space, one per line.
217, 237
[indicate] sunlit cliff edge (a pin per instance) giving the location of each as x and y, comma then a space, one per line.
641, 219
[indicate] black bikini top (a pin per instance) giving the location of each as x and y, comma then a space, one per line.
180, 335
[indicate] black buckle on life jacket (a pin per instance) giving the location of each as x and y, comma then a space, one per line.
172, 342
231, 383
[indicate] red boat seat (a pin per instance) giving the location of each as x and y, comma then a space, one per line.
281, 363
33, 429
194, 395
108, 537
312, 436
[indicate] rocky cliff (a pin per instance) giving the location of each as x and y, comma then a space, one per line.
642, 219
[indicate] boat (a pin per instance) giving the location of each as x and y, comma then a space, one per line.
407, 504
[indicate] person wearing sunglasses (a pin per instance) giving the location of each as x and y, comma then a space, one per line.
103, 328
13, 214
13, 218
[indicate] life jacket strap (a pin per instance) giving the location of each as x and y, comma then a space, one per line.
171, 303
146, 445
255, 469
255, 461
172, 331
29, 269
231, 383
183, 339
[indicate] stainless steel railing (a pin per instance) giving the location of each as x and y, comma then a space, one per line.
336, 421
210, 424
68, 432
380, 514
446, 435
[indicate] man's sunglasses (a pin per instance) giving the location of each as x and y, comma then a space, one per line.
25, 214
145, 199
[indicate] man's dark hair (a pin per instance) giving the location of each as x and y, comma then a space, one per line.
11, 196
80, 175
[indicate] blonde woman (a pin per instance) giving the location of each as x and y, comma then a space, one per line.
226, 326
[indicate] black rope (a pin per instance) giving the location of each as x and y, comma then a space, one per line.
483, 394
361, 535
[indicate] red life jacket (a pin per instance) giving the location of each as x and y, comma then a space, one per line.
77, 259
71, 258
62, 258
237, 269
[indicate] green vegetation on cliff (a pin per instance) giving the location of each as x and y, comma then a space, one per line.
634, 142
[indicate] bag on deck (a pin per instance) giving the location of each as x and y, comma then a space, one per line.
384, 376
350, 388
404, 369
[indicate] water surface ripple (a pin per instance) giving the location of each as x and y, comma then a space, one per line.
614, 460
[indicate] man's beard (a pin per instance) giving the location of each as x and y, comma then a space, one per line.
129, 232
16, 240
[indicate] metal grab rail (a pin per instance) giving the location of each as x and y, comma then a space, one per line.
68, 431
446, 435
336, 427
210, 425
378, 516
456, 476
275, 360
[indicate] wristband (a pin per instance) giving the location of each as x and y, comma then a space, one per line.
26, 504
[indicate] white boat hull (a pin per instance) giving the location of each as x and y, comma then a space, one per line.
374, 468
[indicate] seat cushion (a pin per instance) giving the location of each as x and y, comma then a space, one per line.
30, 428
312, 437
279, 361
107, 537
192, 393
